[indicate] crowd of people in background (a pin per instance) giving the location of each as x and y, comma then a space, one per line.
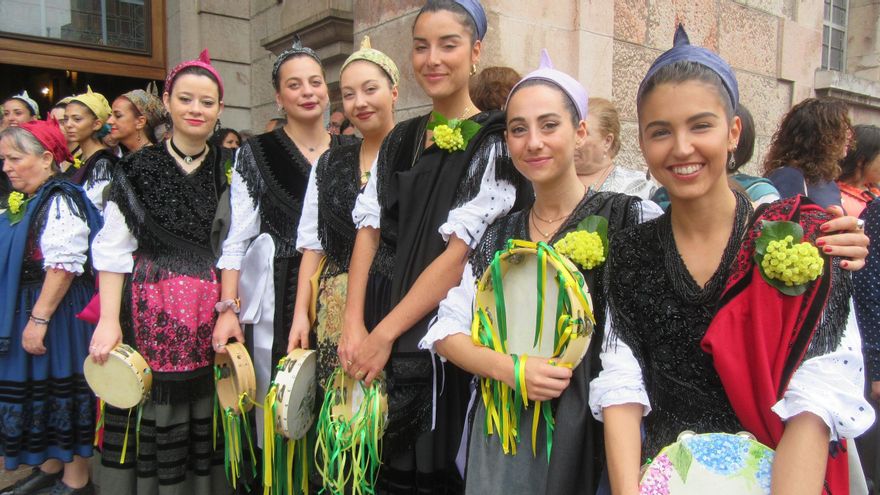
139, 219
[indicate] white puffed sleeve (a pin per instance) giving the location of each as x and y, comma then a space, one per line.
621, 380
95, 192
454, 314
114, 245
307, 231
244, 225
367, 212
65, 239
469, 221
831, 386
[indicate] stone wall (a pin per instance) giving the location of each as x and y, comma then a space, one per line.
774, 46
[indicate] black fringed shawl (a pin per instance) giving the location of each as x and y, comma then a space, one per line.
338, 177
578, 448
170, 213
98, 167
277, 175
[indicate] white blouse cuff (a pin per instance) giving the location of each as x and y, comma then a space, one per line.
620, 381
65, 239
230, 261
470, 221
831, 386
114, 245
616, 397
454, 313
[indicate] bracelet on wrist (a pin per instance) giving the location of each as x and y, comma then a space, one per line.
37, 320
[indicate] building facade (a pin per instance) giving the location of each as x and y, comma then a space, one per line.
782, 50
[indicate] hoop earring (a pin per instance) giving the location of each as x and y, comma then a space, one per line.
473, 69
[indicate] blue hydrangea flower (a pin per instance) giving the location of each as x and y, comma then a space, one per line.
720, 454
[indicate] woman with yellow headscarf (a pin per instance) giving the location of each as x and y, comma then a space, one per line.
86, 123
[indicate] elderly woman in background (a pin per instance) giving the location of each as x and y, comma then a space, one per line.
46, 408
593, 160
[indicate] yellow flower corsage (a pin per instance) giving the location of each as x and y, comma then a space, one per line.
587, 246
784, 260
453, 134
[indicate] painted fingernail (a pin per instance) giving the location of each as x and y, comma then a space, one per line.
820, 242
824, 227
826, 249
844, 264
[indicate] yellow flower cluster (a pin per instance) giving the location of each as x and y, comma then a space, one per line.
16, 199
794, 264
229, 175
583, 248
448, 139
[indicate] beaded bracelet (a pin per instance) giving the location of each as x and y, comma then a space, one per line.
37, 320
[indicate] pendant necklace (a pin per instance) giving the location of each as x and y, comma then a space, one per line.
187, 158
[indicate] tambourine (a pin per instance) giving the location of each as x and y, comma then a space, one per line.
716, 463
350, 427
531, 303
123, 381
236, 381
295, 397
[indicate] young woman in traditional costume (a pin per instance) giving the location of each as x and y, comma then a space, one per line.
368, 82
47, 412
87, 116
134, 118
268, 185
546, 123
431, 198
701, 338
159, 289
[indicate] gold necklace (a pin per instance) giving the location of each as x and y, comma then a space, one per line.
535, 225
547, 221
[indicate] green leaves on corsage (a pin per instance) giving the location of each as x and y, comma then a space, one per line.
784, 260
587, 246
454, 134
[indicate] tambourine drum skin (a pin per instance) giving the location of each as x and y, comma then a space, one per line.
711, 463
236, 378
519, 268
295, 400
123, 381
353, 397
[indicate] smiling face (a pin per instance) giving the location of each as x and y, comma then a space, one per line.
302, 91
81, 124
194, 106
442, 54
16, 112
26, 171
124, 120
540, 134
367, 97
685, 138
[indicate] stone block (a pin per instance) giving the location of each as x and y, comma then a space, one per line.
371, 13
260, 115
236, 117
766, 97
523, 52
595, 62
700, 18
258, 6
227, 38
800, 52
236, 82
631, 21
261, 90
749, 39
596, 16
231, 8
259, 31
561, 14
772, 7
631, 63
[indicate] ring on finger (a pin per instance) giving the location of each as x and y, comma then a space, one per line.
348, 362
860, 224
359, 375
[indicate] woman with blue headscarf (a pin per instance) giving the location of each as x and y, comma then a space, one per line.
707, 332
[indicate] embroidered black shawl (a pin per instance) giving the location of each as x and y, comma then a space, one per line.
338, 176
98, 167
277, 175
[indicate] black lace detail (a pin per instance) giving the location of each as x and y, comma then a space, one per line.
169, 212
661, 313
276, 174
338, 177
99, 167
492, 145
